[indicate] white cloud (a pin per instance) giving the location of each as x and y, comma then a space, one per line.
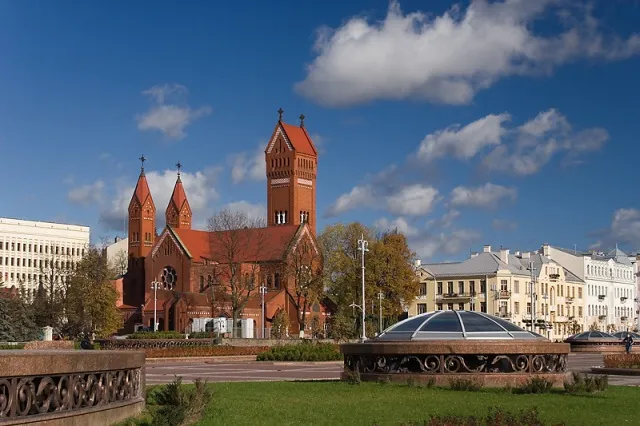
504, 225
464, 143
170, 119
451, 57
410, 200
624, 229
485, 196
531, 146
248, 166
413, 200
253, 211
446, 221
359, 196
444, 243
87, 194
399, 223
199, 187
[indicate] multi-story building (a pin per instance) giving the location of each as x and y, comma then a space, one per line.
34, 252
610, 285
499, 283
117, 254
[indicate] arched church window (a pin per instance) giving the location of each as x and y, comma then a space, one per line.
276, 283
169, 278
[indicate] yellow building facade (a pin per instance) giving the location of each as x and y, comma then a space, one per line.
499, 283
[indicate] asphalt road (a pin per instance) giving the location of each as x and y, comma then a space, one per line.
275, 371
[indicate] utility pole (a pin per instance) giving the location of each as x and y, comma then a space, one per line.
363, 246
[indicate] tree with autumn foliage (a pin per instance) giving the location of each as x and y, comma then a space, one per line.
237, 243
304, 276
389, 269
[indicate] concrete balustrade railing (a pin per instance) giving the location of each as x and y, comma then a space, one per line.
66, 387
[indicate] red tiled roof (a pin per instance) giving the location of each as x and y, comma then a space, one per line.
179, 197
142, 191
245, 245
299, 138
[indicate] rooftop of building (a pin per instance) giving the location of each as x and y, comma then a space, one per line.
42, 224
616, 254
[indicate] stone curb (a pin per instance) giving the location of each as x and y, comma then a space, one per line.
616, 371
206, 359
303, 362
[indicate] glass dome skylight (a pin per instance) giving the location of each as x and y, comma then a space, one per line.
586, 335
451, 325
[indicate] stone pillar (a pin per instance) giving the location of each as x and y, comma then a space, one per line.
47, 333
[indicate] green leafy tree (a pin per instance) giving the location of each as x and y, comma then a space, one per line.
16, 321
90, 302
280, 325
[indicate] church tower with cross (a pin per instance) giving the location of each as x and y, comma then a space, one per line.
142, 218
178, 214
291, 165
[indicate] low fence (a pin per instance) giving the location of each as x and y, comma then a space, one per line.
133, 344
70, 387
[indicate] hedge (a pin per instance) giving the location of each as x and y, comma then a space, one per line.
164, 335
631, 360
302, 352
9, 347
204, 351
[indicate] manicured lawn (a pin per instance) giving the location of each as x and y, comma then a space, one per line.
336, 403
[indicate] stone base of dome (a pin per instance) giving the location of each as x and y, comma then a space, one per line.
486, 380
494, 362
597, 348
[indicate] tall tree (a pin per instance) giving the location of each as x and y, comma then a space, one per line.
304, 271
91, 297
237, 242
55, 270
16, 319
390, 270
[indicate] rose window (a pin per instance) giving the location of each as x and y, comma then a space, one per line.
169, 278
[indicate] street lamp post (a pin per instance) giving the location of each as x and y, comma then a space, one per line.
154, 287
263, 290
363, 246
380, 295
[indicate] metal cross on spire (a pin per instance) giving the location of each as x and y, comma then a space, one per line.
280, 112
301, 120
179, 166
142, 160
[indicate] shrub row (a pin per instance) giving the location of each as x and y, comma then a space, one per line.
164, 335
8, 347
622, 360
302, 352
204, 351
138, 344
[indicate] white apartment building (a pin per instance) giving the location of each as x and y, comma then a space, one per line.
610, 285
115, 253
30, 250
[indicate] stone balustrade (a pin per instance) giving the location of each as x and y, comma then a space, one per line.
66, 387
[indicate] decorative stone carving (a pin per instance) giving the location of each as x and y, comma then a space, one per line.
280, 181
307, 182
457, 364
23, 397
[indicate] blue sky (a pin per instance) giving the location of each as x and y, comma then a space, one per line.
483, 123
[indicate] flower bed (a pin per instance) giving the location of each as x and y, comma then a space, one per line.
622, 360
302, 352
204, 351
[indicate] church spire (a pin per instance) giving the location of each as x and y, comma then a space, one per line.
142, 217
178, 213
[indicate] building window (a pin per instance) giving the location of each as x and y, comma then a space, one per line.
529, 308
439, 306
450, 287
483, 287
483, 307
503, 285
169, 278
460, 287
579, 293
450, 306
422, 308
276, 283
423, 289
472, 288
439, 287
516, 286
461, 306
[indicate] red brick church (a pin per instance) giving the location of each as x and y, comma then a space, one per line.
204, 274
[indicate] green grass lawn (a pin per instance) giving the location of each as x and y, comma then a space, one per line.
336, 403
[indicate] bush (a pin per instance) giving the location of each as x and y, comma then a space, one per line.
9, 347
215, 337
302, 352
536, 384
495, 417
622, 360
464, 384
165, 335
179, 406
352, 377
189, 351
583, 383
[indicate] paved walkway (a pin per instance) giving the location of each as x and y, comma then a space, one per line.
274, 371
